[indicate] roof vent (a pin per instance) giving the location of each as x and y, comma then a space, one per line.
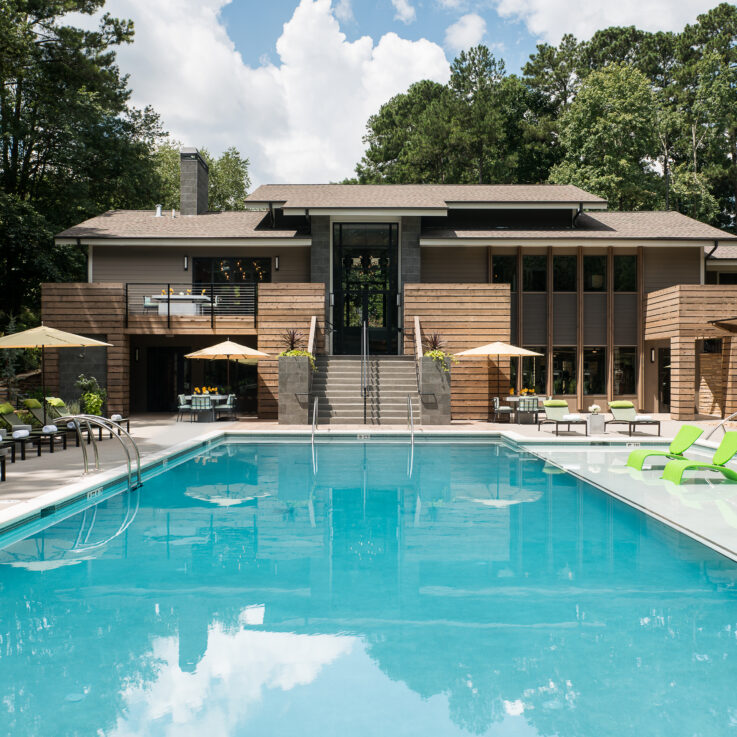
158, 211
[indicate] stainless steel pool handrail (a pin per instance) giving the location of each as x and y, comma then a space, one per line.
117, 431
411, 422
365, 379
314, 428
83, 546
721, 424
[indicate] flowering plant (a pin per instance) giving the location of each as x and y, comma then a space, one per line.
525, 392
205, 390
511, 391
594, 409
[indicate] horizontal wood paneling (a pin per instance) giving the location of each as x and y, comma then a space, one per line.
90, 309
191, 325
466, 316
534, 319
463, 265
155, 264
625, 319
282, 307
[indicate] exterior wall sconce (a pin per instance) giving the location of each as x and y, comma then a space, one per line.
186, 263
652, 355
136, 354
276, 263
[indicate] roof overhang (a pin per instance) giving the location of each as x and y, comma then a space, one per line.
153, 241
372, 212
453, 205
568, 241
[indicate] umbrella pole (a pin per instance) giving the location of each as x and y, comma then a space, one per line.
227, 373
43, 381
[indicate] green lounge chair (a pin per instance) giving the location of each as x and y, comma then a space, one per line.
624, 413
57, 408
727, 450
558, 413
10, 422
686, 437
35, 409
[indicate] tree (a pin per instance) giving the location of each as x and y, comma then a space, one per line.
228, 179
70, 144
607, 135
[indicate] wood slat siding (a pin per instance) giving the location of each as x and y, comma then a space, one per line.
457, 264
90, 309
166, 263
534, 319
191, 325
682, 378
466, 316
710, 395
667, 267
282, 307
729, 380
594, 319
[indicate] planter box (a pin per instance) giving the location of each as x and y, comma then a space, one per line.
295, 382
435, 392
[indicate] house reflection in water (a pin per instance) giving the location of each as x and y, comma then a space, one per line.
485, 579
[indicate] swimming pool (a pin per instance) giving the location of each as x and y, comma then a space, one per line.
464, 588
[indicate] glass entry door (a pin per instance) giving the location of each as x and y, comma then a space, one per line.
365, 282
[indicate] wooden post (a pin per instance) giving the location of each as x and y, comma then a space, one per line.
610, 324
640, 388
520, 335
579, 329
549, 345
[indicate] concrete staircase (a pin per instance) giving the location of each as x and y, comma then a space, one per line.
337, 384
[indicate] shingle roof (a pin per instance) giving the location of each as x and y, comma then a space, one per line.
420, 196
722, 252
603, 226
145, 224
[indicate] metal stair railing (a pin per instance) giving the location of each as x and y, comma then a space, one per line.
314, 428
721, 424
117, 431
365, 381
411, 423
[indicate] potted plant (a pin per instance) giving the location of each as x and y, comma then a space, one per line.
295, 377
435, 387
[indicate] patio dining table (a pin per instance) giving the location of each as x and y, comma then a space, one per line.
522, 418
180, 304
215, 400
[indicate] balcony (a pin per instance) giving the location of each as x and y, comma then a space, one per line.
179, 307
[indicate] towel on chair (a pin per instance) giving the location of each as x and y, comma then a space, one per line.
48, 429
71, 426
572, 418
116, 418
18, 434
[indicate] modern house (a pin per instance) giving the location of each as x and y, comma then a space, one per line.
635, 305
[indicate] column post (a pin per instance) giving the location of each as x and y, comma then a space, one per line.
682, 378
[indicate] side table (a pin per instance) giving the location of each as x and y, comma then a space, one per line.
596, 424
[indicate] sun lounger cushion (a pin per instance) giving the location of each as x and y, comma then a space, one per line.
32, 404
6, 408
48, 429
571, 418
621, 404
116, 418
55, 402
18, 434
555, 403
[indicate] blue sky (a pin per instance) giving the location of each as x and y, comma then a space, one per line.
255, 26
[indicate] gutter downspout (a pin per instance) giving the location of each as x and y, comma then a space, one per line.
577, 215
706, 258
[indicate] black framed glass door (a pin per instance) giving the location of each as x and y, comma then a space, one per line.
365, 281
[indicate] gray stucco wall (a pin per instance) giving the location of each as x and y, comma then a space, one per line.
410, 250
320, 253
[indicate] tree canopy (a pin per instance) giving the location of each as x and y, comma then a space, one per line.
647, 120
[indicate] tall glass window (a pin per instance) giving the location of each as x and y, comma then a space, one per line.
594, 273
228, 270
534, 372
504, 270
564, 273
535, 273
564, 371
625, 273
594, 371
625, 371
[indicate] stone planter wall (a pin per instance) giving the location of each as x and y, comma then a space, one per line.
435, 392
295, 380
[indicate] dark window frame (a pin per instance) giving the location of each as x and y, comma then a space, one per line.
574, 278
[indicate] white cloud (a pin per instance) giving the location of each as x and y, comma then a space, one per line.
344, 10
467, 31
405, 12
451, 4
299, 119
550, 19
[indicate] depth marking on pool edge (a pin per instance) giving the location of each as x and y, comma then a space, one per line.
94, 492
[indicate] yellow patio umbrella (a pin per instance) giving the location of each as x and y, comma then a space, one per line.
46, 337
227, 351
500, 350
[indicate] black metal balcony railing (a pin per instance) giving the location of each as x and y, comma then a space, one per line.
208, 300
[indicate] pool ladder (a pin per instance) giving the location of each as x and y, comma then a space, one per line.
314, 428
721, 424
116, 430
411, 423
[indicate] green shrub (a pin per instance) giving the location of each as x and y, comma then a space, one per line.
298, 352
92, 403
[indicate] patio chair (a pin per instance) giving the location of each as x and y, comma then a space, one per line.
558, 413
624, 413
35, 409
727, 450
19, 432
200, 404
686, 437
7, 444
183, 406
59, 408
226, 408
500, 410
530, 405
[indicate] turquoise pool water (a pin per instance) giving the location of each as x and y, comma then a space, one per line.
239, 593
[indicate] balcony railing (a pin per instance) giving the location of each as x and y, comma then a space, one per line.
207, 300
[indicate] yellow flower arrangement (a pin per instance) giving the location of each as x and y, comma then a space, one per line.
511, 391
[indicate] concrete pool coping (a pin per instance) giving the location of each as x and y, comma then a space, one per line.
714, 526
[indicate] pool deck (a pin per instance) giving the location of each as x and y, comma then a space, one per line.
705, 508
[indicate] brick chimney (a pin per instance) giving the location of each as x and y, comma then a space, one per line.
193, 181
